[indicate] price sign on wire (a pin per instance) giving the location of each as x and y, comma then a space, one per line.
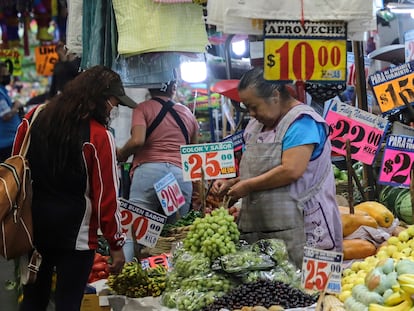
397, 161
13, 59
141, 224
322, 269
309, 51
364, 130
393, 86
215, 159
169, 194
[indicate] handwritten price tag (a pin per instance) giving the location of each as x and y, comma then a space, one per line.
215, 159
392, 86
141, 224
322, 269
169, 194
46, 58
314, 51
364, 130
398, 161
13, 59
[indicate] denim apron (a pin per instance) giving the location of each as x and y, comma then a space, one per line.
302, 213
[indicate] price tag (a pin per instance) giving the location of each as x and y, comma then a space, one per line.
13, 60
313, 51
46, 58
141, 224
322, 269
398, 161
215, 159
169, 194
364, 130
392, 86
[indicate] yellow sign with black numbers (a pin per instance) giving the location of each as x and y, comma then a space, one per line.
46, 58
308, 51
393, 87
13, 59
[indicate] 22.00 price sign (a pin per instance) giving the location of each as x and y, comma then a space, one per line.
215, 160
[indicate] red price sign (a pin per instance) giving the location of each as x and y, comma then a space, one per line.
169, 194
322, 269
313, 51
364, 130
398, 161
216, 160
393, 86
141, 224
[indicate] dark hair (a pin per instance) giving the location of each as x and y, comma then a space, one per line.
63, 118
264, 89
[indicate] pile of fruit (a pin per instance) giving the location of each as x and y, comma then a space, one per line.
135, 282
384, 281
370, 214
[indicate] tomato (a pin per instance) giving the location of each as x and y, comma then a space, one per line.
98, 258
103, 274
99, 266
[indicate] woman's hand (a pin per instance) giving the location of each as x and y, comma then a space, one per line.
239, 190
118, 260
221, 186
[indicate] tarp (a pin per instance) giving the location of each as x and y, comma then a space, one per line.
244, 17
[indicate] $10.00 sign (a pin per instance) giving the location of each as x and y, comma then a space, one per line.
216, 160
364, 130
322, 269
398, 161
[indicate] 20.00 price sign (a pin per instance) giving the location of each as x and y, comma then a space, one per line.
141, 224
216, 160
309, 51
398, 161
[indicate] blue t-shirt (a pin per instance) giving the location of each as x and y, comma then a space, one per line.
305, 130
7, 128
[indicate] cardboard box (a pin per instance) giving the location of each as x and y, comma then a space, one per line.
90, 302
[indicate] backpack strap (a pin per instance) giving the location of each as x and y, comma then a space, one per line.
26, 140
167, 107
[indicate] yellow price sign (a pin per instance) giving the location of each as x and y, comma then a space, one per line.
13, 59
310, 51
393, 86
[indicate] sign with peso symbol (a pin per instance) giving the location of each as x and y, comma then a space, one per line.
393, 87
308, 51
398, 161
364, 130
169, 194
141, 224
322, 269
216, 160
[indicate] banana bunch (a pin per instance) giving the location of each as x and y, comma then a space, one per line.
135, 282
407, 282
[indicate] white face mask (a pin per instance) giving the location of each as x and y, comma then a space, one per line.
114, 111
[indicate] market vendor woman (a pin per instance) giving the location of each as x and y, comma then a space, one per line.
286, 178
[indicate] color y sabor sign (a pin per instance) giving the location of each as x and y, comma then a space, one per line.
312, 51
141, 224
215, 159
13, 60
392, 86
364, 130
46, 58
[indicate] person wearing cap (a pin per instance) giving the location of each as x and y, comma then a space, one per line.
73, 163
155, 145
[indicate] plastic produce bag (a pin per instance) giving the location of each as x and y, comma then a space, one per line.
245, 260
275, 248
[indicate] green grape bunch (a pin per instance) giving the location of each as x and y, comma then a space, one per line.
214, 235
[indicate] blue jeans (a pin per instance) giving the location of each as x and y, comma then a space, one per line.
143, 193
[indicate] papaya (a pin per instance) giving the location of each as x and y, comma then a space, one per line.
345, 210
378, 211
351, 222
357, 249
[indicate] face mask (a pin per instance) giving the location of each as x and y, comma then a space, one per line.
6, 80
114, 111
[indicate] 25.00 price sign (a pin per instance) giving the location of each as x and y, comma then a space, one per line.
216, 160
398, 161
